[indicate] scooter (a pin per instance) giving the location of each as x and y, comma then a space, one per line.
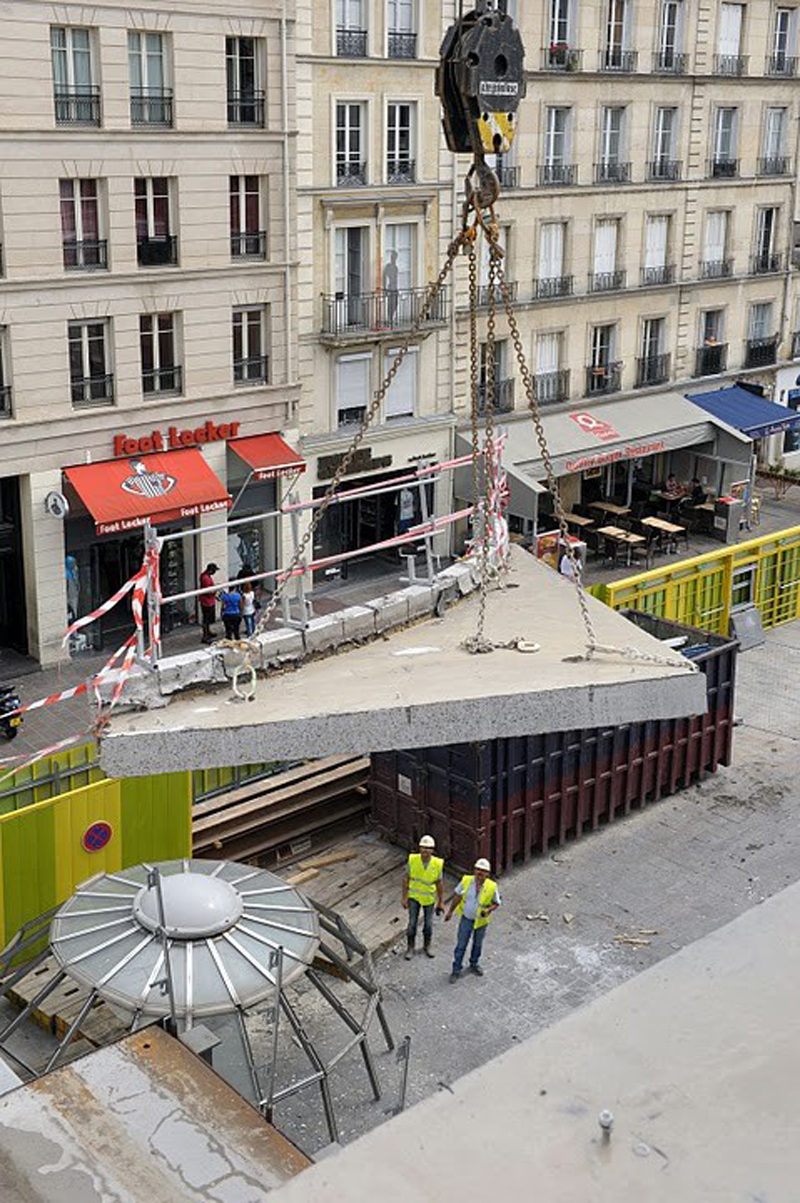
10, 722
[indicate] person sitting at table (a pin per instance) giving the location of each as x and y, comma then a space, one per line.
673, 488
697, 496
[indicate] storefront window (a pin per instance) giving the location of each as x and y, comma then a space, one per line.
791, 438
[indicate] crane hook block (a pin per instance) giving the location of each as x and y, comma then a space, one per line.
480, 81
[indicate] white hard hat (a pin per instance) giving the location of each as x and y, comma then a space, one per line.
483, 864
427, 841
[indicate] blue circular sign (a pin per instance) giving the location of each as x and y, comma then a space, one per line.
97, 836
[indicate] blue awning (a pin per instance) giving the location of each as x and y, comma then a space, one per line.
754, 416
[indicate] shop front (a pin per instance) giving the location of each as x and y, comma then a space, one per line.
13, 625
262, 472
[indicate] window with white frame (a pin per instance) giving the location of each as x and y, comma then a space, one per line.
725, 136
248, 235
760, 324
351, 144
715, 243
670, 35
665, 122
783, 60
656, 249
401, 398
731, 25
351, 28
654, 332
616, 52
766, 232
604, 263
5, 382
77, 98
401, 28
483, 291
557, 136
91, 382
156, 245
148, 67
560, 23
82, 244
712, 327
157, 342
552, 239
604, 342
549, 359
397, 282
612, 133
503, 382
245, 91
401, 167
353, 388
250, 344
774, 161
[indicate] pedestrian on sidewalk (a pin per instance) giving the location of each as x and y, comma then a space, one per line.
422, 889
208, 602
231, 611
248, 608
476, 898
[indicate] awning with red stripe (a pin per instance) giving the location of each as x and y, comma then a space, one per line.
268, 455
121, 494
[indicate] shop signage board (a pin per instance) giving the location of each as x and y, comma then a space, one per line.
601, 430
603, 458
174, 438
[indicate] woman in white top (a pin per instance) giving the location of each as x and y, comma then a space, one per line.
248, 608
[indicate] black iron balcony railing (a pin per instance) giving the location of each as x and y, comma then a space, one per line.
730, 64
665, 274
254, 369
716, 269
508, 177
402, 45
664, 169
5, 401
652, 369
503, 396
711, 360
774, 165
484, 292
669, 62
163, 380
603, 378
401, 171
613, 58
561, 57
796, 345
250, 245
157, 252
553, 286
723, 168
151, 106
351, 43
761, 352
553, 174
781, 64
612, 172
246, 108
550, 388
378, 312
77, 106
606, 281
350, 173
92, 390
766, 263
86, 255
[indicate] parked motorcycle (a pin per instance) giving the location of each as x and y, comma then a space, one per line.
10, 722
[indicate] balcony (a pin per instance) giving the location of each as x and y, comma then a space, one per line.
652, 370
553, 286
784, 65
796, 345
774, 165
761, 352
85, 256
508, 177
766, 263
484, 294
612, 172
716, 269
731, 64
251, 245
664, 170
557, 174
246, 109
613, 58
603, 378
151, 106
503, 396
561, 57
378, 313
163, 380
606, 281
711, 360
5, 401
350, 173
652, 276
667, 62
351, 43
77, 106
550, 388
88, 391
402, 45
254, 369
723, 168
400, 171
157, 252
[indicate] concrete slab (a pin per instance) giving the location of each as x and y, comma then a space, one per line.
418, 687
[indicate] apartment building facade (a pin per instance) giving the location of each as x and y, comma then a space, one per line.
147, 296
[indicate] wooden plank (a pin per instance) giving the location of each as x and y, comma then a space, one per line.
297, 879
329, 858
258, 789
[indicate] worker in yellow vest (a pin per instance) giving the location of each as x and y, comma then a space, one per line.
422, 888
476, 898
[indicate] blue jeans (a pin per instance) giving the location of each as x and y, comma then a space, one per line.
414, 909
249, 624
465, 930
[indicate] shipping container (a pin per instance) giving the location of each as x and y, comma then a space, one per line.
510, 799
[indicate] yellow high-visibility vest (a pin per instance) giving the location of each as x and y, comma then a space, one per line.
488, 891
422, 878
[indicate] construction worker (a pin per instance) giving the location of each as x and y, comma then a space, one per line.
476, 898
422, 887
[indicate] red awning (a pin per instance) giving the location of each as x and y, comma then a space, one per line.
122, 494
268, 456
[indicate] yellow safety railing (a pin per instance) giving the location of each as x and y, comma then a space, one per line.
702, 592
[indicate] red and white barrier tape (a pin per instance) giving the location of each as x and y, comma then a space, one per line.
107, 605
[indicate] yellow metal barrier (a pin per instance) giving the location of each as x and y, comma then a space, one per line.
702, 592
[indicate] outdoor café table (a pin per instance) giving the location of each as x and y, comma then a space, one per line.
578, 520
665, 528
623, 537
609, 507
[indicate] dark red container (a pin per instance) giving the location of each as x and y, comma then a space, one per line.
510, 799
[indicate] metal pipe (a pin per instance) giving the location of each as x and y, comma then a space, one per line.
23, 970
71, 1030
358, 1029
273, 1069
404, 1053
10, 1028
154, 882
317, 1063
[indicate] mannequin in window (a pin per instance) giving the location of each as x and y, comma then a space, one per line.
391, 276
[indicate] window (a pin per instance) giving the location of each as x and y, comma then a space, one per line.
783, 60
765, 259
653, 367
351, 167
712, 353
400, 125
712, 327
774, 160
483, 282
603, 375
762, 342
402, 37
77, 100
551, 280
248, 238
156, 246
503, 384
560, 23
670, 37
604, 265
715, 245
353, 390
760, 325
160, 373
616, 55
351, 255
603, 343
151, 99
90, 380
653, 332
557, 149
245, 94
663, 165
791, 437
401, 399
724, 163
250, 359
611, 168
5, 387
729, 41
551, 382
743, 586
656, 269
83, 248
351, 29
